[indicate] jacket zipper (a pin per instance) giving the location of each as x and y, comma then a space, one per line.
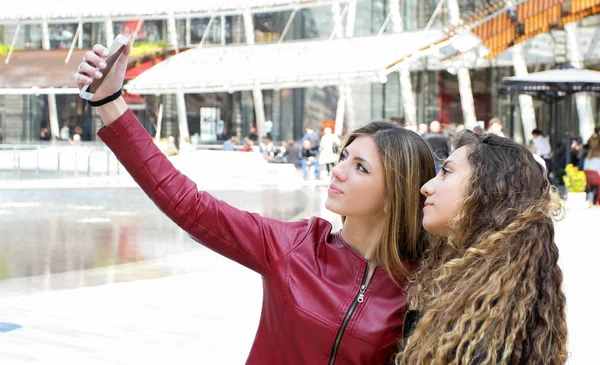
360, 297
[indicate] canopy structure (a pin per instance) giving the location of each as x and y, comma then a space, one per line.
39, 72
275, 66
553, 84
36, 11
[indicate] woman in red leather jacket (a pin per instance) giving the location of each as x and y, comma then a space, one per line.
328, 297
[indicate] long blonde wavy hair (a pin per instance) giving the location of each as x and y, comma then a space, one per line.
491, 293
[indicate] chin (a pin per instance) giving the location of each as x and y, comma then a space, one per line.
430, 227
435, 230
331, 206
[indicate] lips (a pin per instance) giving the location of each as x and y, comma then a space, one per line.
335, 189
427, 204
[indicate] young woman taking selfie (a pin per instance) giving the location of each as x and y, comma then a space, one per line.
328, 297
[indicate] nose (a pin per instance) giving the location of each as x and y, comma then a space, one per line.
427, 188
338, 172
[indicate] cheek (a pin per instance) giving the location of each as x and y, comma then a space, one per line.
447, 204
367, 198
453, 200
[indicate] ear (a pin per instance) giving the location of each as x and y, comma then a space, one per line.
386, 207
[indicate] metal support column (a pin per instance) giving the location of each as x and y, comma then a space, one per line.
350, 17
80, 36
345, 107
339, 112
109, 32
341, 104
52, 110
223, 30
188, 32
182, 117
584, 104
172, 29
406, 89
336, 12
525, 101
464, 79
259, 106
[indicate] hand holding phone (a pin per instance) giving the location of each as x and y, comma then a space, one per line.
115, 50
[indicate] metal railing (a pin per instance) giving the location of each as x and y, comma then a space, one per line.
56, 160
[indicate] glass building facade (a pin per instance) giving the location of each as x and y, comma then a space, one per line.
291, 110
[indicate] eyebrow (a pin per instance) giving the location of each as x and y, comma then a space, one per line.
358, 158
448, 162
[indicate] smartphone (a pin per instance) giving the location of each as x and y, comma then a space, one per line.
114, 52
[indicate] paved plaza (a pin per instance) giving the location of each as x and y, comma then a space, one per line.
92, 273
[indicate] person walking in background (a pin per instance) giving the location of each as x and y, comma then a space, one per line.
253, 136
308, 159
229, 144
313, 137
495, 127
329, 297
281, 153
592, 158
172, 149
438, 142
541, 145
479, 128
329, 152
490, 290
576, 150
44, 134
248, 146
65, 132
423, 130
292, 153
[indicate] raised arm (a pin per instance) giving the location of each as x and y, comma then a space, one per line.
254, 241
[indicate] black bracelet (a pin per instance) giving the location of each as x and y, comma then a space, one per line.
106, 100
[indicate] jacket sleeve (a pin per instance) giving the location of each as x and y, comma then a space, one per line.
247, 238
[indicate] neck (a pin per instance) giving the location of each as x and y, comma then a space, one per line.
363, 235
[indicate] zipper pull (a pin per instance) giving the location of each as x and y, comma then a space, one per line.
361, 293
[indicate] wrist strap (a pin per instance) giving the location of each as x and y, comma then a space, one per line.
106, 100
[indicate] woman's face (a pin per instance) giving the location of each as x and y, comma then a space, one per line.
358, 181
445, 193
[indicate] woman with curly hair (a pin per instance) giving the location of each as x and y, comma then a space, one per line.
490, 289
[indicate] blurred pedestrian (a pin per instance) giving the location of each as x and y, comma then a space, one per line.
542, 148
329, 153
495, 127
172, 149
438, 142
229, 144
308, 159
592, 159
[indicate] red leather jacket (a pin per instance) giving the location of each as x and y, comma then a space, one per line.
316, 306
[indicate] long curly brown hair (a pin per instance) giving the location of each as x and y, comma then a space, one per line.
491, 293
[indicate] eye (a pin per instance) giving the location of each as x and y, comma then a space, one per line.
343, 156
444, 171
361, 168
